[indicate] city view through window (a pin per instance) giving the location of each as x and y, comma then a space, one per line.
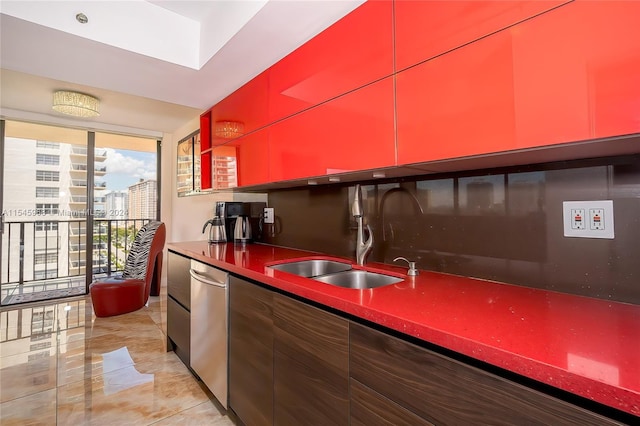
46, 188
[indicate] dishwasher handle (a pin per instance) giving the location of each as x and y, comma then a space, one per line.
204, 279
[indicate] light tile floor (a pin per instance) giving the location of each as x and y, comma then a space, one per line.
53, 369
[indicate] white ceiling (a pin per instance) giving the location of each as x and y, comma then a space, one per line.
154, 65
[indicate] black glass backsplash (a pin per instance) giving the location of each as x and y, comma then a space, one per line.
501, 224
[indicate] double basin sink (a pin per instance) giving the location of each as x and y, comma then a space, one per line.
336, 273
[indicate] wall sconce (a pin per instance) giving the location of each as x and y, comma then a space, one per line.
228, 129
76, 104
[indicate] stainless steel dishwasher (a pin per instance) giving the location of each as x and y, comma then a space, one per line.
209, 327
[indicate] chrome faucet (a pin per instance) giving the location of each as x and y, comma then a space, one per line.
362, 247
416, 205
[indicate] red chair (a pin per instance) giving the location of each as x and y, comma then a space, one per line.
141, 276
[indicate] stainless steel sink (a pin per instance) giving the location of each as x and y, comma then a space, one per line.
312, 268
358, 279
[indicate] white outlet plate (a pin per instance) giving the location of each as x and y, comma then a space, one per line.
588, 219
268, 215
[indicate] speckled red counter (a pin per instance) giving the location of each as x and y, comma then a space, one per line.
586, 346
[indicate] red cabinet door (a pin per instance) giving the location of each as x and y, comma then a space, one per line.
252, 158
242, 112
576, 73
550, 80
612, 49
205, 154
457, 104
425, 29
352, 132
356, 50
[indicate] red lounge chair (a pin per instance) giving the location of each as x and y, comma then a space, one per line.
141, 277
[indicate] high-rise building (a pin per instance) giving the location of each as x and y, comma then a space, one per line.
143, 200
117, 205
46, 189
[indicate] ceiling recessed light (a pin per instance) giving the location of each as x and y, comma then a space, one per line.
82, 18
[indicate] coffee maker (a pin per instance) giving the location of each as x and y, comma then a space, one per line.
217, 231
249, 212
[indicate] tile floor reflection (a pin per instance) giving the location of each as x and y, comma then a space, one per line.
53, 369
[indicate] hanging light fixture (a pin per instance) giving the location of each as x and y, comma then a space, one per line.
76, 104
229, 129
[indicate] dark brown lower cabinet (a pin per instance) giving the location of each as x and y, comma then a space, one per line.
291, 363
179, 306
311, 365
250, 352
369, 408
179, 331
444, 391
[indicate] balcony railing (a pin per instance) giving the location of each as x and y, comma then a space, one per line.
83, 184
80, 167
25, 244
80, 150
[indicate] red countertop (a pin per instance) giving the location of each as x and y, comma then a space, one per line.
585, 346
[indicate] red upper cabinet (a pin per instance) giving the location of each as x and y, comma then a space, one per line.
205, 131
612, 50
576, 73
352, 132
205, 154
242, 112
252, 154
550, 80
356, 50
457, 104
425, 29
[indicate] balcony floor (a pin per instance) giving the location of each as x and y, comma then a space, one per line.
34, 291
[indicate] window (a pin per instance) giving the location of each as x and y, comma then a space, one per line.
43, 209
41, 275
47, 176
46, 226
42, 258
47, 144
46, 192
50, 160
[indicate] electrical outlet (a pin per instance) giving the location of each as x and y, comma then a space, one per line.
588, 219
577, 219
268, 215
596, 219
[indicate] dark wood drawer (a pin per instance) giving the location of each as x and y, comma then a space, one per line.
368, 407
178, 279
447, 392
179, 330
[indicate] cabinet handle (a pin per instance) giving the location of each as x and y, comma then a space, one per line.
202, 278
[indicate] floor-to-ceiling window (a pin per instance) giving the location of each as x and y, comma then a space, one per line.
66, 202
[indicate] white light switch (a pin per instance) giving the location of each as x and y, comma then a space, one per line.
588, 219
